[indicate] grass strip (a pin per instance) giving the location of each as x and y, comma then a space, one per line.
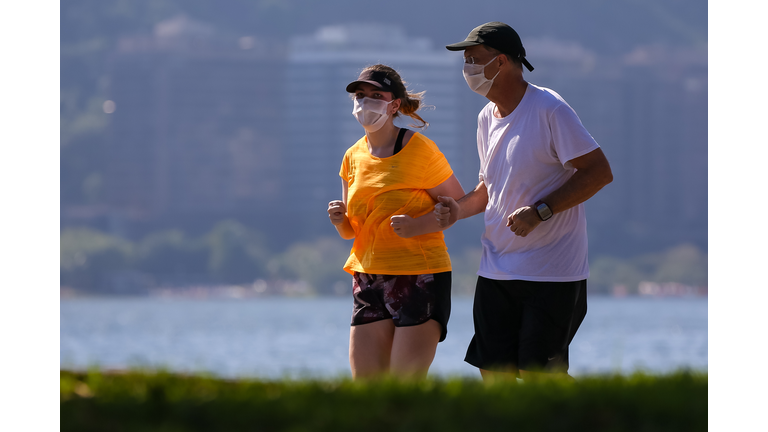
162, 401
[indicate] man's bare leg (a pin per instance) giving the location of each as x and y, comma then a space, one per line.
492, 377
528, 376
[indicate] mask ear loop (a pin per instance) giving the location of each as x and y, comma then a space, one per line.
497, 72
486, 65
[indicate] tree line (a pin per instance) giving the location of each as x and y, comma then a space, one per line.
231, 253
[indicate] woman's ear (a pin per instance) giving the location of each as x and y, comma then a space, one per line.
395, 105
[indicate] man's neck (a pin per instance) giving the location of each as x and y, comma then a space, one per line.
508, 96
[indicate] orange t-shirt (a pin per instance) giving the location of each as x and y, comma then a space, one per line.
380, 188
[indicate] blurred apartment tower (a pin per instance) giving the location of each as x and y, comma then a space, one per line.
648, 112
665, 113
319, 122
195, 131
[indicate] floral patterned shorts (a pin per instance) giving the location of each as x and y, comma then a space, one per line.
407, 300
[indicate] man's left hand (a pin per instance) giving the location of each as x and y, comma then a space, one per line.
523, 220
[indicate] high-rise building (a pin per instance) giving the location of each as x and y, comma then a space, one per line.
195, 131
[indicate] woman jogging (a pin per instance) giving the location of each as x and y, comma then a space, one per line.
401, 271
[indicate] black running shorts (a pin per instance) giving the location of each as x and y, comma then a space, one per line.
525, 325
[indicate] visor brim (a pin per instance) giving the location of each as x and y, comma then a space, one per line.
351, 87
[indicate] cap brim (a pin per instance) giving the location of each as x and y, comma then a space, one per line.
351, 87
461, 46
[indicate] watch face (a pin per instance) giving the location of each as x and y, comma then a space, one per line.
544, 211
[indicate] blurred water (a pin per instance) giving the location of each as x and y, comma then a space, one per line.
277, 337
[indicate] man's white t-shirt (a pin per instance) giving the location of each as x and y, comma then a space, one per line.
523, 157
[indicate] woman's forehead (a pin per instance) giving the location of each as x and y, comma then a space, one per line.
369, 87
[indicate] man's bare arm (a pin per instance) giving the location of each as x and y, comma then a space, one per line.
593, 172
448, 210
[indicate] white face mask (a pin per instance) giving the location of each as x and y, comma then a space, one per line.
475, 77
371, 113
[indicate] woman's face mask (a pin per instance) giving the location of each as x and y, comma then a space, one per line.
371, 113
475, 77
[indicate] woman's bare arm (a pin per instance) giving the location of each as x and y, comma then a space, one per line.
406, 226
337, 212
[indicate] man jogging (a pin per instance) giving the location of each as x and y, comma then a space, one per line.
538, 164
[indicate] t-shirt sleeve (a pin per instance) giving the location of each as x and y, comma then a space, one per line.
437, 169
344, 170
482, 133
570, 138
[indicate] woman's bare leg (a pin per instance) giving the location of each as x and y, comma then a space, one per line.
370, 348
413, 350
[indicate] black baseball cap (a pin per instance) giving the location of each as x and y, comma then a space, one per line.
373, 77
495, 35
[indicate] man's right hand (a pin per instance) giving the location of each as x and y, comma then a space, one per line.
446, 211
336, 211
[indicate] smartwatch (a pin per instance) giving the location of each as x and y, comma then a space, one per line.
543, 209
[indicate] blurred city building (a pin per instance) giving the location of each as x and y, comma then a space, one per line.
195, 130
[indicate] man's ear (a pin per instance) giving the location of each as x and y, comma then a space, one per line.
503, 60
